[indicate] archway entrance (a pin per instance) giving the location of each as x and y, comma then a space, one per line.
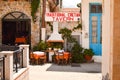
16, 29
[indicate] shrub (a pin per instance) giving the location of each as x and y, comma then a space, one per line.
41, 46
77, 55
88, 52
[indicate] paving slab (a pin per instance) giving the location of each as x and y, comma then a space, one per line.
89, 71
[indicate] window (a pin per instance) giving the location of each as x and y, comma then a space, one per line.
95, 8
77, 37
94, 29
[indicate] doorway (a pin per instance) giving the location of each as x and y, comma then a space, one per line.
95, 28
16, 29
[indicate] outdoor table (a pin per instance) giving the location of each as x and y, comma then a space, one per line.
39, 55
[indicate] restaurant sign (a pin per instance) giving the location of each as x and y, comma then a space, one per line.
62, 16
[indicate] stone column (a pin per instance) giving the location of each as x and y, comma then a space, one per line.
25, 55
8, 64
43, 32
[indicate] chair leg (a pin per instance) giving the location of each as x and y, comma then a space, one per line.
65, 61
41, 61
32, 61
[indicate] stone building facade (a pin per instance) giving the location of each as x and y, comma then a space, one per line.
24, 7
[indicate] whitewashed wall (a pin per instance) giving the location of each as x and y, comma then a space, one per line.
85, 21
106, 30
85, 25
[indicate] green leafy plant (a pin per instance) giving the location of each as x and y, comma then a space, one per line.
88, 52
57, 45
34, 7
77, 55
66, 34
79, 26
77, 49
77, 58
51, 26
41, 46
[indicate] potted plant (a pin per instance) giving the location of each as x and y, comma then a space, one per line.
88, 54
41, 46
49, 46
76, 53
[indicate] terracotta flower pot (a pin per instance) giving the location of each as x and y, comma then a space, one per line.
88, 58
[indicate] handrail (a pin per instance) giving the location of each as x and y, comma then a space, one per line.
18, 59
2, 59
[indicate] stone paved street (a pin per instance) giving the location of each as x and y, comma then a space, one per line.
89, 71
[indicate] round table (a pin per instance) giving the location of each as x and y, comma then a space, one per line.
39, 55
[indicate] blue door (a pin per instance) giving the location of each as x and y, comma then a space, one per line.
95, 28
96, 33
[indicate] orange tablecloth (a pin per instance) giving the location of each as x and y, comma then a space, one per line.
63, 55
38, 54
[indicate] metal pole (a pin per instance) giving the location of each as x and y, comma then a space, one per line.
16, 60
4, 67
22, 57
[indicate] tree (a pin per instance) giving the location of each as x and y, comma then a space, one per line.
53, 5
43, 13
66, 34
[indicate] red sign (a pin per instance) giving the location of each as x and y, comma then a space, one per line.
62, 16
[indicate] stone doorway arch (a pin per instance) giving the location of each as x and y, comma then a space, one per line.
16, 29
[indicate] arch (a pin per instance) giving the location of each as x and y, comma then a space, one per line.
16, 25
16, 15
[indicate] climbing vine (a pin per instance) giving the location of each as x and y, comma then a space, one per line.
51, 26
34, 7
79, 26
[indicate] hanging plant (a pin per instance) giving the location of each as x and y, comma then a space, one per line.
34, 7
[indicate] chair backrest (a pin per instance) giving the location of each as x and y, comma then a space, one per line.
59, 55
31, 55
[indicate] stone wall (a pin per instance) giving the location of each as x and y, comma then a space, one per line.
24, 7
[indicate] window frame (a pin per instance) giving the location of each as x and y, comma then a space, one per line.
97, 7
